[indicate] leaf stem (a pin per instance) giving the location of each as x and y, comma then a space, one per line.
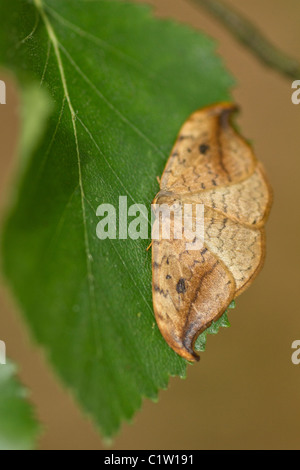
249, 35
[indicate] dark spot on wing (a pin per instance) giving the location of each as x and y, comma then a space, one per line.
181, 289
204, 148
183, 137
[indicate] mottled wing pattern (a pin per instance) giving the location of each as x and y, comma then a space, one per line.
240, 248
247, 203
208, 153
210, 165
188, 293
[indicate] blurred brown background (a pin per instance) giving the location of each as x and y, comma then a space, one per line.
245, 391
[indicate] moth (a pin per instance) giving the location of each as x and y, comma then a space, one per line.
213, 166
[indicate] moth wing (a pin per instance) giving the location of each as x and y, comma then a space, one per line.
240, 248
211, 165
248, 202
191, 289
208, 153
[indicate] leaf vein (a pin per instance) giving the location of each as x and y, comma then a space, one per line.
109, 104
91, 283
97, 40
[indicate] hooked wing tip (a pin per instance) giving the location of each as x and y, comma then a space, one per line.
183, 347
182, 342
188, 351
196, 357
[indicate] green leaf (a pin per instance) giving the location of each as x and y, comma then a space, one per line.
18, 426
121, 83
200, 344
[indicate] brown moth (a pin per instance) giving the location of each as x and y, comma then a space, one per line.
210, 164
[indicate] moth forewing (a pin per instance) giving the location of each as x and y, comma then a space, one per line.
213, 167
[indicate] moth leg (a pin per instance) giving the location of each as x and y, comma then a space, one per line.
148, 247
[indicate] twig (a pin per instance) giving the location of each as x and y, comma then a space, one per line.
248, 34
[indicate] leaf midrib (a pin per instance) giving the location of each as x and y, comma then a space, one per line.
57, 46
55, 43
